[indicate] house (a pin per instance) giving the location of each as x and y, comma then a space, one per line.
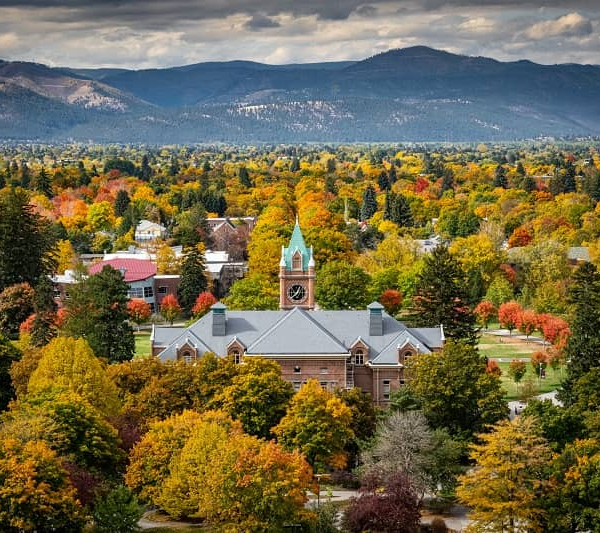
341, 349
149, 231
231, 235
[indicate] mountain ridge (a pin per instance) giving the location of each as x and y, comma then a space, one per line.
408, 94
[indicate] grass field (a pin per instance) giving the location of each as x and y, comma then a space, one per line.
142, 344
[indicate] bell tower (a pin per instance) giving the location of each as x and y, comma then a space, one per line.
297, 273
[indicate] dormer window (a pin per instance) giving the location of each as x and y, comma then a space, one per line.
187, 356
297, 261
236, 356
359, 356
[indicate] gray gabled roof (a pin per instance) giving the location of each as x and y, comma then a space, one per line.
297, 332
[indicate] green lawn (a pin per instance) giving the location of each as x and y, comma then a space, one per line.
550, 383
142, 344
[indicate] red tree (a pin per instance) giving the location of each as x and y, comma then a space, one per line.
170, 308
528, 322
485, 311
391, 300
139, 311
509, 315
493, 368
539, 361
554, 329
203, 303
520, 237
27, 324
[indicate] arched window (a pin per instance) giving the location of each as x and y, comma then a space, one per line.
407, 355
297, 261
187, 356
359, 356
236, 356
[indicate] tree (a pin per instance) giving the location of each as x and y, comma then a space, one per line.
529, 321
539, 362
499, 291
170, 308
583, 347
70, 364
9, 354
43, 183
341, 285
44, 324
192, 228
484, 311
16, 304
245, 180
258, 396
559, 425
254, 292
369, 203
441, 297
193, 279
97, 311
318, 425
166, 260
468, 402
139, 311
500, 179
517, 370
122, 202
364, 419
117, 512
509, 315
203, 304
35, 493
386, 506
506, 488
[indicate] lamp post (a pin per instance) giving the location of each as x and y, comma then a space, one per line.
540, 376
318, 478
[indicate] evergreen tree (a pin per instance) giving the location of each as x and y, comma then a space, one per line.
295, 165
528, 183
97, 311
245, 180
331, 165
583, 347
401, 213
369, 203
25, 175
174, 166
383, 181
359, 174
442, 295
43, 184
193, 279
122, 202
520, 169
26, 241
569, 179
447, 180
500, 179
392, 177
557, 182
3, 178
145, 169
44, 328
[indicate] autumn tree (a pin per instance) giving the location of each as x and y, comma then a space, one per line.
509, 315
166, 260
506, 487
25, 240
97, 311
539, 362
528, 323
441, 297
204, 302
35, 493
254, 292
170, 308
139, 311
484, 311
466, 404
258, 396
16, 304
517, 370
70, 364
117, 511
193, 279
341, 285
317, 424
391, 299
499, 291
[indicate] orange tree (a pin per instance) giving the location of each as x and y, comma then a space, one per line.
170, 308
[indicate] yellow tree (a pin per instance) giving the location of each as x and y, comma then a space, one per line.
318, 424
65, 256
166, 260
70, 364
504, 488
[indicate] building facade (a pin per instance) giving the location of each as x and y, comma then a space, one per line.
341, 349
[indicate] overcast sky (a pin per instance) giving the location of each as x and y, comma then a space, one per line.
159, 33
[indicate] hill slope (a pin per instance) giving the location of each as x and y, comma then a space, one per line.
412, 94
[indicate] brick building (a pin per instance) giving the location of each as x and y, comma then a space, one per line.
341, 349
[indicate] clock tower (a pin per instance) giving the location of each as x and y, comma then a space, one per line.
297, 273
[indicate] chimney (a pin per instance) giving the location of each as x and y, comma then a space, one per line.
375, 319
219, 319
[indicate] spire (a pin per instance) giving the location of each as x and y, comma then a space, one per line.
296, 244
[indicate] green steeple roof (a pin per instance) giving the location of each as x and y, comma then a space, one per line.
296, 243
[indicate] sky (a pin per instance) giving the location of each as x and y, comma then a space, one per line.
161, 33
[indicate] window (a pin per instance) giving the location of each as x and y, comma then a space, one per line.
407, 355
148, 292
162, 289
56, 293
324, 370
323, 385
135, 292
297, 370
236, 356
386, 389
297, 261
296, 385
359, 357
187, 356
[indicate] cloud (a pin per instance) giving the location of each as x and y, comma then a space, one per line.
570, 25
260, 22
366, 11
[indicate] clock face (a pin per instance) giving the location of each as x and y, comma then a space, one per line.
297, 293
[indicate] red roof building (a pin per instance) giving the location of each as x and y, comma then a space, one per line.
132, 269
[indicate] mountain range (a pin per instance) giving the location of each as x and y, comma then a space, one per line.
412, 94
